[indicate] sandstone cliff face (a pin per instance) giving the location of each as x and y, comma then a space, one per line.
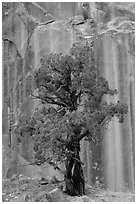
31, 30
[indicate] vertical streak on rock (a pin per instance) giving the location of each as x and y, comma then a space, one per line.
117, 129
118, 140
8, 89
5, 87
23, 68
36, 47
131, 66
131, 137
5, 139
53, 34
14, 135
14, 92
131, 73
109, 157
35, 43
124, 73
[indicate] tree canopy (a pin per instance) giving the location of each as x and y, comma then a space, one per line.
73, 106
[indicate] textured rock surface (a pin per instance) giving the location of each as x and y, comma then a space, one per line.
31, 30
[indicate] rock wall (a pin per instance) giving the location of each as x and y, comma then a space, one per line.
31, 30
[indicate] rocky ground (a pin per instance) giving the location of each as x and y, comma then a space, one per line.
34, 190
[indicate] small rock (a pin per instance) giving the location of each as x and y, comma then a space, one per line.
15, 197
26, 199
97, 184
103, 200
20, 176
113, 195
55, 195
44, 181
6, 199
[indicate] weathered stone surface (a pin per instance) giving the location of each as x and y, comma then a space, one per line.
18, 165
114, 49
14, 35
37, 12
60, 10
42, 40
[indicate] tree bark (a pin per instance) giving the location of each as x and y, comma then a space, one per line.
74, 177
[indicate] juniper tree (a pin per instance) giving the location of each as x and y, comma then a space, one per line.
73, 107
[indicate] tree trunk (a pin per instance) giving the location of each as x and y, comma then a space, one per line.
74, 178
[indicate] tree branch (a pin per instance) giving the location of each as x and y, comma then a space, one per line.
81, 136
52, 101
104, 120
60, 87
62, 100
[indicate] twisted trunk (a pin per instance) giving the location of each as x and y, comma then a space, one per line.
74, 177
